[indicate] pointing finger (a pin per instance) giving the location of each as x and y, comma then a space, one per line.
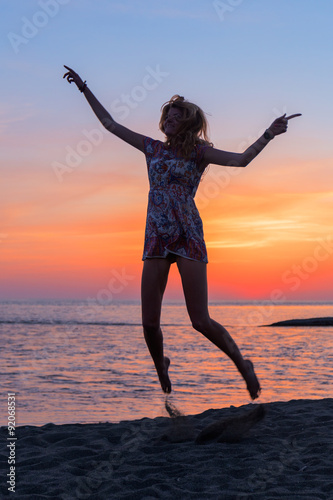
293, 116
70, 70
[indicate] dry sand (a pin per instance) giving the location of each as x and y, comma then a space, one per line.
287, 454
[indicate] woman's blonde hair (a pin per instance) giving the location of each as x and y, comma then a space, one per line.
193, 126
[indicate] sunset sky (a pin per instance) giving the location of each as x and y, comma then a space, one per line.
73, 197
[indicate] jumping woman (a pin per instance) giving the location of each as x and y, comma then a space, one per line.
174, 231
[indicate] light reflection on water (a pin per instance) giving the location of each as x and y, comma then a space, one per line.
65, 373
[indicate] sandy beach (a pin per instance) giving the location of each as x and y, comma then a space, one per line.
286, 454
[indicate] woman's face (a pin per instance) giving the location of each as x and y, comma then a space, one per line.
171, 121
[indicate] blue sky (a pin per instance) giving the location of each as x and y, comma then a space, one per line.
263, 55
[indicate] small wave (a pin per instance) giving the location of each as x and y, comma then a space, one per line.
71, 322
61, 322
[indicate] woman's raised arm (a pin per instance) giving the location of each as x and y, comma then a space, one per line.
229, 159
127, 135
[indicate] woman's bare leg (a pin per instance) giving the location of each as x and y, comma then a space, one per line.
194, 280
154, 280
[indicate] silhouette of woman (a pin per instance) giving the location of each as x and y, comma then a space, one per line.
174, 231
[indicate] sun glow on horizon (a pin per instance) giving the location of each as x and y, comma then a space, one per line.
74, 197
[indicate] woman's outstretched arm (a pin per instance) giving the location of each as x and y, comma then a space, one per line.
127, 135
226, 158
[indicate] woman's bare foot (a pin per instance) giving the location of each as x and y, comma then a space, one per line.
163, 375
251, 380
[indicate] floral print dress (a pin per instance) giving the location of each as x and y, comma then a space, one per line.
173, 222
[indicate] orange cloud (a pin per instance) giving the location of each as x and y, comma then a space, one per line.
65, 238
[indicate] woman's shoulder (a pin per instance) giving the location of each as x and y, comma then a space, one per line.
201, 143
151, 146
200, 148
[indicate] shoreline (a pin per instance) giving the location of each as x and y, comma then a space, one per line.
287, 452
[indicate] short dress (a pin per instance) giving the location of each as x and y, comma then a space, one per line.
173, 223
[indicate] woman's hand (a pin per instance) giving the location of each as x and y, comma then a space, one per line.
280, 125
71, 76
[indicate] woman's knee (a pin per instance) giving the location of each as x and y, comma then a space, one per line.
151, 326
202, 325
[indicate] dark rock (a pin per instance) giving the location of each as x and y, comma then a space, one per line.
305, 322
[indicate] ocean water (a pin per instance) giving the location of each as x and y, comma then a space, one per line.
74, 361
